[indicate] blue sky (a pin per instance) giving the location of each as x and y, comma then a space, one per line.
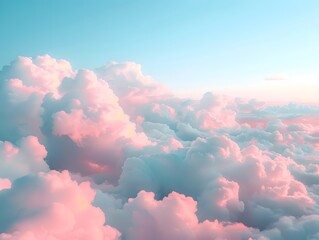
184, 44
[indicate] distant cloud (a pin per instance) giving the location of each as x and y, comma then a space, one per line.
276, 77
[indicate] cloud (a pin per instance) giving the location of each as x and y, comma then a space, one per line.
5, 183
276, 77
171, 218
25, 159
81, 146
51, 206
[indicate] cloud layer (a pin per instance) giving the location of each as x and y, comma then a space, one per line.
109, 153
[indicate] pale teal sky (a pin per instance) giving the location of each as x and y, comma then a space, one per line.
191, 44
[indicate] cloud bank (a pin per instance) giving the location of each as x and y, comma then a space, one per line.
109, 153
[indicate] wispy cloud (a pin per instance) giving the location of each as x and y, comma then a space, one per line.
276, 77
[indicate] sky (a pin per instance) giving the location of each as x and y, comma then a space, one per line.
188, 45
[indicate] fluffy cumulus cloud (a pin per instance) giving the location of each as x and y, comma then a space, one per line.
18, 161
51, 206
174, 217
109, 153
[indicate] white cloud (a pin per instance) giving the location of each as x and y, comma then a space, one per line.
276, 77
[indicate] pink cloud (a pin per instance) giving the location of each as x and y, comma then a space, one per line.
213, 168
5, 183
277, 77
173, 218
18, 161
52, 206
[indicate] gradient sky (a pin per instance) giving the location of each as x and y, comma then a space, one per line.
186, 44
